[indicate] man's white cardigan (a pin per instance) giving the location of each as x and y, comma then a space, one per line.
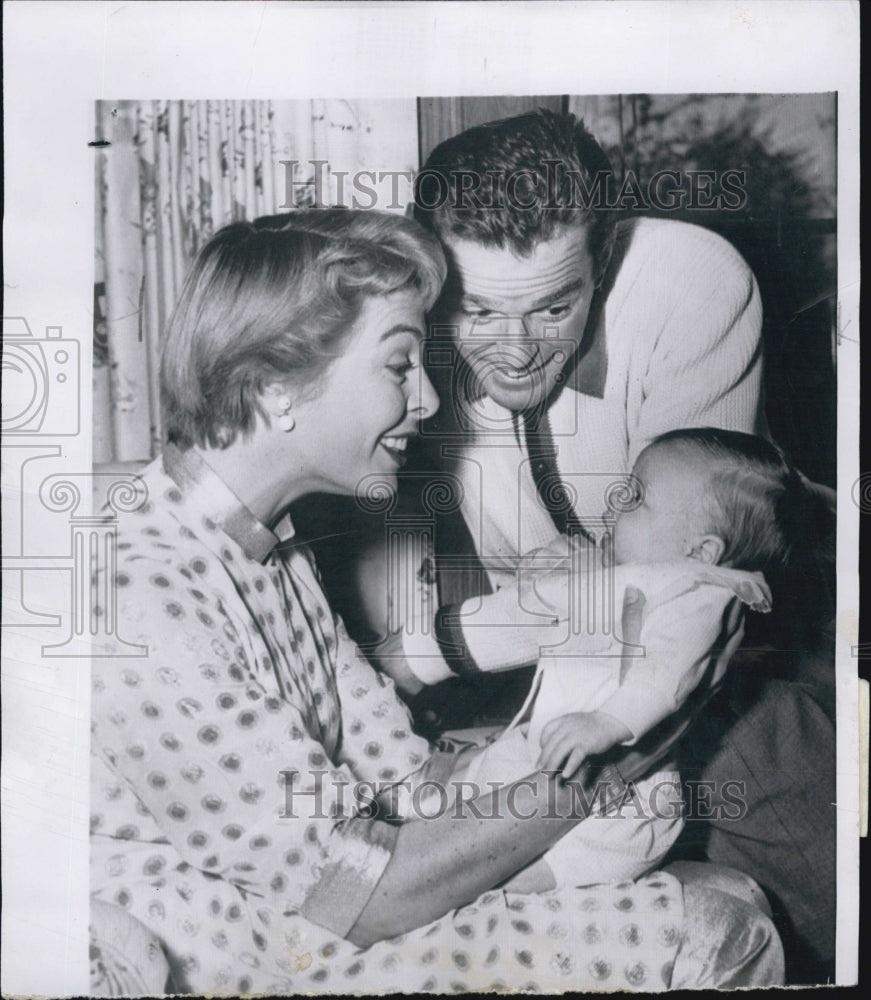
676, 343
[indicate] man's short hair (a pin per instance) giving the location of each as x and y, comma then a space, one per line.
272, 302
517, 182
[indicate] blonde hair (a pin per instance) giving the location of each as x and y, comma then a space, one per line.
273, 301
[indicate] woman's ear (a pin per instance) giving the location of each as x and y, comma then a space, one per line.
707, 549
276, 399
278, 402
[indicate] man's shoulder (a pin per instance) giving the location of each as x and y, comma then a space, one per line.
664, 266
671, 244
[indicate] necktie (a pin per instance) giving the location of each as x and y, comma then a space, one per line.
553, 494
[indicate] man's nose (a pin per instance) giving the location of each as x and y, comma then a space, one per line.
511, 329
500, 328
508, 341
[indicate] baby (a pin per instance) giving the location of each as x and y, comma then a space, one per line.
711, 510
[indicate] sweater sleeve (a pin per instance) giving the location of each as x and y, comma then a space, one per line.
705, 367
536, 609
483, 634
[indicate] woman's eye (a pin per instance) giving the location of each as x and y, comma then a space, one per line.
401, 368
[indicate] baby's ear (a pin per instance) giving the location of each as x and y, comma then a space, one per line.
708, 549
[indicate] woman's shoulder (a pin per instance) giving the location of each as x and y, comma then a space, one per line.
162, 562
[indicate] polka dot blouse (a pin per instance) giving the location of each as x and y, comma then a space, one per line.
221, 765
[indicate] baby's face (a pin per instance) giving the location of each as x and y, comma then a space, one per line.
670, 516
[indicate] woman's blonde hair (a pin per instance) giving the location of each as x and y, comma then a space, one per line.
273, 301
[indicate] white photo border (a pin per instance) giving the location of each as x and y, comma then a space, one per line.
61, 57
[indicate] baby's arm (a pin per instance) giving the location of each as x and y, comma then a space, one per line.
687, 643
567, 740
529, 612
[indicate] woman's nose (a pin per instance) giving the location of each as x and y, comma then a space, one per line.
424, 401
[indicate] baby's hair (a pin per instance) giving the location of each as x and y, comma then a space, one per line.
773, 520
757, 501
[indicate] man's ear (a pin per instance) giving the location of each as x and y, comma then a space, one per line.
707, 549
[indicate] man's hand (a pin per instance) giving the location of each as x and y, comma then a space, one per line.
568, 741
389, 658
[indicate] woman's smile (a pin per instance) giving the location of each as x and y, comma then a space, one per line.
395, 447
377, 382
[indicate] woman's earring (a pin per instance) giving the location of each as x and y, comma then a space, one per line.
285, 417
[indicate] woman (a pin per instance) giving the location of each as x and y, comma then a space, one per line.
228, 762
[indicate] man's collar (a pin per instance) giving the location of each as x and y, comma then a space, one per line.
586, 371
204, 490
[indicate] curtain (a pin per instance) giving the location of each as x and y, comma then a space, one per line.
169, 175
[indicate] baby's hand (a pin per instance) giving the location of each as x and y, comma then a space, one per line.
566, 742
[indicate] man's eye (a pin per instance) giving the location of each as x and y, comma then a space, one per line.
557, 312
479, 314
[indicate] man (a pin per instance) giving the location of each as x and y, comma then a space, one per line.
563, 344
578, 340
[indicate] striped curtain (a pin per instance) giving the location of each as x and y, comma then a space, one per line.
171, 173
